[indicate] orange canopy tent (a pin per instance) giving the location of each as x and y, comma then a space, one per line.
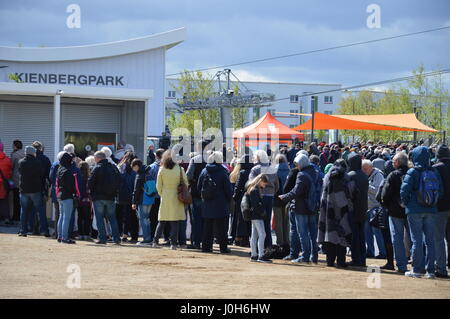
392, 122
267, 130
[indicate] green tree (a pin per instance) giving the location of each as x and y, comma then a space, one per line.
194, 86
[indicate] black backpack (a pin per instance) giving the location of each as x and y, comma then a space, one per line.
209, 188
246, 207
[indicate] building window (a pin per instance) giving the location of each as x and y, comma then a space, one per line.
328, 112
292, 125
294, 98
271, 111
328, 99
171, 94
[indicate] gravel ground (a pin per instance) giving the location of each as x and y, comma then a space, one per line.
36, 267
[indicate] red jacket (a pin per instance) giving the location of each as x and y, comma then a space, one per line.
6, 168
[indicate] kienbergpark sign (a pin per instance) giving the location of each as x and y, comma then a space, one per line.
70, 79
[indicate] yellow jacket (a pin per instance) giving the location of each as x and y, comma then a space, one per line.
170, 209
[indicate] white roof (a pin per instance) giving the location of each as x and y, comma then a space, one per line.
94, 51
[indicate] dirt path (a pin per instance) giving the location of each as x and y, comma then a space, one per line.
35, 267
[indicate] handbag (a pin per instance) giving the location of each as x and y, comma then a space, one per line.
183, 192
379, 218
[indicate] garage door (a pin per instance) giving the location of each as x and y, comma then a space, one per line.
27, 121
91, 118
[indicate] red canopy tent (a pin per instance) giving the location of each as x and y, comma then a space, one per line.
267, 130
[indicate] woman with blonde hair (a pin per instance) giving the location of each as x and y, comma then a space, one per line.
171, 209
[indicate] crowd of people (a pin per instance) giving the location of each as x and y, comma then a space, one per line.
336, 199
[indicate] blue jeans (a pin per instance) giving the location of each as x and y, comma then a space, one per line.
422, 227
26, 199
397, 227
258, 237
197, 222
268, 205
65, 215
106, 209
294, 237
144, 220
442, 221
369, 232
307, 227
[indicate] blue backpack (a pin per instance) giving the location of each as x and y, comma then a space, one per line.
428, 192
315, 190
150, 192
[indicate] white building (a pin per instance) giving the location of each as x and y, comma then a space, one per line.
92, 95
292, 93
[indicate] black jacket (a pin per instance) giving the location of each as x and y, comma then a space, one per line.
256, 205
443, 167
360, 196
290, 180
239, 188
390, 194
197, 165
31, 175
299, 194
104, 181
66, 180
139, 182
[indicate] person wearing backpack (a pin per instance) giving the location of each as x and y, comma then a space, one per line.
257, 214
419, 193
144, 194
215, 189
104, 185
304, 200
443, 219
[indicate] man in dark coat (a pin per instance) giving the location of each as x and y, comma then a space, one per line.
443, 167
215, 210
40, 213
104, 185
390, 197
305, 220
31, 175
360, 205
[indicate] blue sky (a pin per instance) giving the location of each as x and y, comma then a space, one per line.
221, 32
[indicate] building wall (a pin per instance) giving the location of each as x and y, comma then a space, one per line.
143, 70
